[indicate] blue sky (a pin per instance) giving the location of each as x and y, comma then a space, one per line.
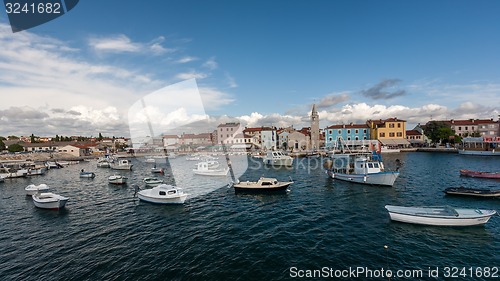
261, 62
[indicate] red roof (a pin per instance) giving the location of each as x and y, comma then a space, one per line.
413, 133
471, 122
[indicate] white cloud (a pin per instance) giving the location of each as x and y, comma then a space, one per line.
191, 75
231, 81
186, 59
119, 43
210, 64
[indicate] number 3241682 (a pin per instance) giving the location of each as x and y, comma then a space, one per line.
39, 8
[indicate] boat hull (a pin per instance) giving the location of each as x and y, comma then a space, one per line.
474, 174
177, 200
472, 192
212, 172
52, 203
479, 152
382, 178
247, 189
436, 216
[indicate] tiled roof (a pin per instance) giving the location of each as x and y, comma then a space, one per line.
349, 126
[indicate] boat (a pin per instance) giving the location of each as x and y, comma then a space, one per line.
152, 181
32, 189
103, 164
123, 164
204, 169
9, 173
482, 146
1, 179
163, 194
364, 167
117, 179
474, 174
37, 170
442, 216
262, 185
157, 170
387, 149
277, 158
89, 175
193, 157
53, 165
150, 160
464, 191
48, 200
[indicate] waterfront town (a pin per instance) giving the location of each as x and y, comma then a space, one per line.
391, 133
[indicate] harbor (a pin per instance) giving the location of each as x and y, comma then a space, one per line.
104, 232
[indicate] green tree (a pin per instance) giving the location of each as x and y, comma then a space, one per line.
432, 130
444, 133
2, 138
32, 138
15, 147
2, 145
13, 137
100, 137
57, 138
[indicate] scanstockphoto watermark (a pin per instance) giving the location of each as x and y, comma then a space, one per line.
304, 164
357, 272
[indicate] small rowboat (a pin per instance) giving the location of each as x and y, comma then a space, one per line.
474, 174
472, 192
442, 216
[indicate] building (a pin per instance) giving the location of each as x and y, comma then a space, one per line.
474, 127
299, 140
171, 141
415, 137
390, 132
352, 134
282, 134
315, 133
193, 140
269, 138
227, 131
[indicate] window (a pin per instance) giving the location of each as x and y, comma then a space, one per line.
348, 132
375, 165
399, 134
330, 132
348, 138
364, 137
391, 135
356, 131
399, 125
227, 129
382, 135
466, 128
340, 132
370, 165
330, 139
364, 131
357, 138
459, 128
391, 125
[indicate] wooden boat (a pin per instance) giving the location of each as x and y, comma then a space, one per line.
156, 170
33, 189
49, 200
442, 216
117, 179
262, 185
474, 174
472, 192
152, 181
163, 194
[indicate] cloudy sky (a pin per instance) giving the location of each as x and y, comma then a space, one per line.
96, 68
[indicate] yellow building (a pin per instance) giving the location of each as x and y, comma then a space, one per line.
390, 132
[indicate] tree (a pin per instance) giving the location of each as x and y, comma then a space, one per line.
100, 137
32, 138
432, 131
57, 138
13, 137
2, 145
444, 133
2, 138
15, 147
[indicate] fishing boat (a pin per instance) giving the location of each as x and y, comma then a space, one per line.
123, 164
163, 194
48, 200
464, 191
262, 185
277, 158
152, 181
9, 173
475, 174
117, 179
33, 189
37, 170
482, 146
442, 216
53, 165
364, 167
89, 175
204, 169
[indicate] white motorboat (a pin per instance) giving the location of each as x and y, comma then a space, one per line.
193, 158
117, 179
48, 200
53, 165
37, 170
152, 181
443, 216
277, 158
204, 169
262, 185
150, 160
363, 167
163, 194
123, 164
12, 172
33, 189
103, 164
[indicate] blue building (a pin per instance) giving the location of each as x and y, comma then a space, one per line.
352, 134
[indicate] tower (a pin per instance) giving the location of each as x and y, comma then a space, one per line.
314, 128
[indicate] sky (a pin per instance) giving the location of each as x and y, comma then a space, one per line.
256, 62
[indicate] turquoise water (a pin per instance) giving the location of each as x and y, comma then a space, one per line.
321, 224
